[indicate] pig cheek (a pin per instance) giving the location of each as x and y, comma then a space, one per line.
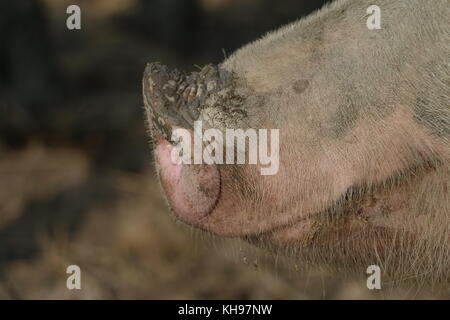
191, 190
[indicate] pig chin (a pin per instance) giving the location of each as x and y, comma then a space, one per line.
192, 191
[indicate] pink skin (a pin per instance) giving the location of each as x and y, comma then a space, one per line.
192, 190
212, 212
286, 202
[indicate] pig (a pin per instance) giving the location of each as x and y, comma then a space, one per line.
364, 123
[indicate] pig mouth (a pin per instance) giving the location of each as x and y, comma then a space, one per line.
192, 191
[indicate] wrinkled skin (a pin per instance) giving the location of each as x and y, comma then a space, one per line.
364, 124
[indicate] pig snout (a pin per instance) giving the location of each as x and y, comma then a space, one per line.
173, 100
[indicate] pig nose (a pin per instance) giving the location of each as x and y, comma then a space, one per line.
161, 99
174, 100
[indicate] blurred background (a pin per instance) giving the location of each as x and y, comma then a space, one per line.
77, 183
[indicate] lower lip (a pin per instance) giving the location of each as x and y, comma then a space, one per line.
184, 187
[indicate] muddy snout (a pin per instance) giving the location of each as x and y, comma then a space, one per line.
173, 99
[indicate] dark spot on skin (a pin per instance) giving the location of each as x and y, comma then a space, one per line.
343, 119
438, 121
300, 85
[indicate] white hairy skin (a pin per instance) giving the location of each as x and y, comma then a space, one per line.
364, 121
